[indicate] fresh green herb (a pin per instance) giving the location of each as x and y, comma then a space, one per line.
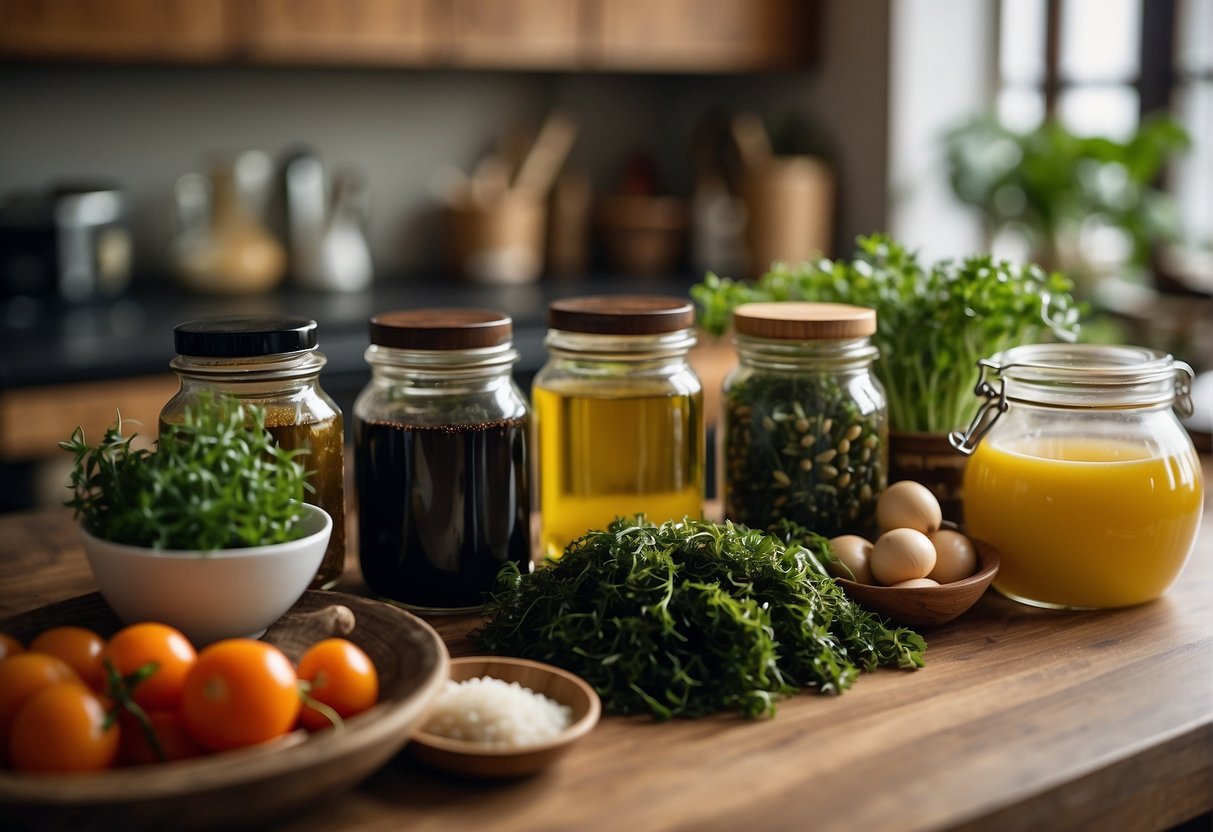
799, 446
933, 324
690, 618
217, 480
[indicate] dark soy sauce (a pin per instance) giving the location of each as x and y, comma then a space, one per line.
441, 508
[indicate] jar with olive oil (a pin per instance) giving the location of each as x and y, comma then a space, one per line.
618, 415
272, 363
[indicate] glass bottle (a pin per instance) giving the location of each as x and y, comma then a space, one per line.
1081, 475
805, 423
618, 415
272, 363
441, 458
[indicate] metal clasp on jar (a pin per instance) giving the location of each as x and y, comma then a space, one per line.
995, 405
1184, 376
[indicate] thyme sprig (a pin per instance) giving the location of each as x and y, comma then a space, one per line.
217, 480
684, 619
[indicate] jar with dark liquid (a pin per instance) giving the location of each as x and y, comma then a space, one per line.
441, 458
272, 363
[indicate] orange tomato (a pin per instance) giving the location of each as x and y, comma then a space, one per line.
169, 727
340, 675
240, 692
138, 645
61, 729
80, 648
9, 646
22, 676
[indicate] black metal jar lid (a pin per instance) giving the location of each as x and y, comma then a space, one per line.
236, 337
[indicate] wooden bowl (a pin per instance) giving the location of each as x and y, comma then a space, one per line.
928, 606
248, 786
469, 759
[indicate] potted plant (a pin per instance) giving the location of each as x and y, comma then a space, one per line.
933, 325
208, 532
1062, 192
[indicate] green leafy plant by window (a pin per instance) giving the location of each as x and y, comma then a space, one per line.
217, 480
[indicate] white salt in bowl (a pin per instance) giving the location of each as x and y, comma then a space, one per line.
209, 595
478, 760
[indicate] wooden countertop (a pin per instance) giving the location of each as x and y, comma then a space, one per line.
1022, 719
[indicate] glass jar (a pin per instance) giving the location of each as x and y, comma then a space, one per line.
272, 363
1081, 475
441, 458
805, 423
618, 415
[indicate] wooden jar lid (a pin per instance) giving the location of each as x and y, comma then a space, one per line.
803, 321
441, 329
621, 314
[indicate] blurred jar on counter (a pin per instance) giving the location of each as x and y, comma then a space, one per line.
441, 459
1081, 475
271, 363
618, 414
805, 423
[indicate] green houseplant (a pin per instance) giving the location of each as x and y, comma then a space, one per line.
1054, 186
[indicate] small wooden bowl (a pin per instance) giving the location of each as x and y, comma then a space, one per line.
928, 606
471, 759
248, 786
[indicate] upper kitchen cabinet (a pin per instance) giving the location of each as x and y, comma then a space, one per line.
702, 35
344, 32
581, 35
178, 31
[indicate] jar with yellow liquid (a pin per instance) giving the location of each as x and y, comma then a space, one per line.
1081, 475
618, 415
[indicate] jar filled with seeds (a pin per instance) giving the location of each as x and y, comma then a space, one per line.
805, 424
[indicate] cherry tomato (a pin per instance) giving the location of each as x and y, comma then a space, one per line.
176, 743
80, 648
22, 676
239, 692
341, 676
62, 728
9, 646
137, 645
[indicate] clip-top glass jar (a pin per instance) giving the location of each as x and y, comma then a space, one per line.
805, 423
441, 458
618, 415
1081, 475
272, 363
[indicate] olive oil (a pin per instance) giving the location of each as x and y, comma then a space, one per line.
604, 456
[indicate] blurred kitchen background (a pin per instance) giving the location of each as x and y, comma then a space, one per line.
162, 160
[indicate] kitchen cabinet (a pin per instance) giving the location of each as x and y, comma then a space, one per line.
594, 35
177, 31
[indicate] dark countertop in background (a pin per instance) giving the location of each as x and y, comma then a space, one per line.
133, 335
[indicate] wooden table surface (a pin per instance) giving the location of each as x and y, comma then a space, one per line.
1022, 719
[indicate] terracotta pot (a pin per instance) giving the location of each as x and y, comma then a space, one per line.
929, 459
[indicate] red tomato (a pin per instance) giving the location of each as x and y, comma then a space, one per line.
169, 726
80, 648
22, 676
133, 647
341, 676
9, 646
240, 692
61, 729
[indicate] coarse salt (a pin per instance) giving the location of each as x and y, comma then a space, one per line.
496, 713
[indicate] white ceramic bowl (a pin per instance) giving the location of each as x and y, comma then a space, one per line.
209, 595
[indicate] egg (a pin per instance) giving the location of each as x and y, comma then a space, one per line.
901, 555
955, 557
908, 505
916, 582
853, 551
